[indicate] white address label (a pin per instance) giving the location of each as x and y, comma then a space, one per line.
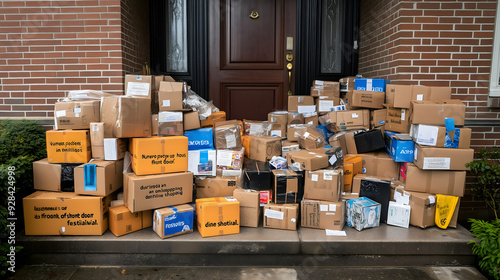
436, 163
273, 214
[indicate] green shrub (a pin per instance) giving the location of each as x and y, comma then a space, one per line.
488, 247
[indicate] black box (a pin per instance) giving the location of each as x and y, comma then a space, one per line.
288, 186
257, 175
369, 141
378, 191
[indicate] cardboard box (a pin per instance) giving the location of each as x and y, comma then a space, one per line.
68, 146
249, 207
138, 85
53, 177
99, 178
377, 118
202, 162
115, 148
154, 124
126, 117
369, 141
353, 165
346, 84
347, 143
357, 161
397, 120
281, 216
122, 221
278, 117
293, 132
398, 215
252, 127
76, 114
97, 139
191, 120
202, 138
428, 181
325, 88
156, 191
367, 99
257, 175
377, 190
170, 123
348, 195
311, 119
423, 209
435, 112
324, 185
399, 146
430, 158
335, 155
230, 162
349, 120
263, 148
218, 186
173, 221
363, 213
213, 118
170, 96
277, 129
58, 213
326, 104
295, 118
227, 135
159, 155
311, 138
436, 136
307, 160
218, 216
369, 84
245, 141
322, 214
288, 186
400, 96
301, 104
288, 146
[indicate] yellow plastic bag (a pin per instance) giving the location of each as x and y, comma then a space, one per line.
445, 207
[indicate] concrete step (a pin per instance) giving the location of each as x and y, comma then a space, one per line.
382, 246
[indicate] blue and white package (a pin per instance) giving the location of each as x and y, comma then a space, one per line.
370, 84
202, 138
363, 213
170, 221
399, 146
202, 162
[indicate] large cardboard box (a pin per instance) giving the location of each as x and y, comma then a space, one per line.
156, 191
191, 120
115, 148
126, 117
281, 216
99, 178
68, 146
430, 158
213, 118
219, 186
380, 164
307, 160
170, 96
436, 182
263, 148
324, 184
202, 162
249, 206
227, 135
53, 176
435, 112
218, 216
138, 85
288, 186
301, 104
97, 139
257, 175
170, 123
322, 214
76, 114
436, 136
367, 99
370, 84
398, 119
173, 221
159, 155
400, 96
122, 221
349, 120
58, 213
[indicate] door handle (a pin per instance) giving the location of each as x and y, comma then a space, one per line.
289, 67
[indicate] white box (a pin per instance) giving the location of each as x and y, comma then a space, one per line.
115, 148
202, 162
398, 214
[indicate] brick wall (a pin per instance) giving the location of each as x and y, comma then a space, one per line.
50, 47
435, 43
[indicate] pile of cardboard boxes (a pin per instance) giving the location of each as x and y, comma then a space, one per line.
358, 152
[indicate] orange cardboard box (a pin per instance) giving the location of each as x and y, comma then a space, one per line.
218, 216
122, 221
213, 118
159, 155
245, 141
348, 175
68, 146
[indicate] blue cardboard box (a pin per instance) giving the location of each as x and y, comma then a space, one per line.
363, 213
370, 84
174, 220
202, 138
399, 146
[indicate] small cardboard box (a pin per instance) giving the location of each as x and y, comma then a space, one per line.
191, 120
377, 118
428, 181
156, 191
367, 99
324, 184
398, 215
335, 155
154, 124
249, 207
257, 175
380, 164
97, 139
218, 186
202, 162
322, 214
173, 221
300, 103
76, 114
436, 136
138, 85
68, 146
311, 138
170, 123
53, 176
423, 209
281, 216
369, 84
230, 162
397, 120
325, 88
122, 221
307, 160
288, 146
213, 118
353, 165
399, 146
295, 118
279, 117
277, 129
115, 148
369, 141
430, 158
99, 178
227, 135
126, 117
159, 155
263, 148
292, 132
288, 186
218, 216
202, 138
252, 127
363, 213
435, 112
58, 213
170, 96
347, 143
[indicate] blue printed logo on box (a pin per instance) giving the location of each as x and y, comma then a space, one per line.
198, 139
401, 147
178, 222
370, 84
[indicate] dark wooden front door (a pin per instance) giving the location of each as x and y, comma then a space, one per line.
248, 75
